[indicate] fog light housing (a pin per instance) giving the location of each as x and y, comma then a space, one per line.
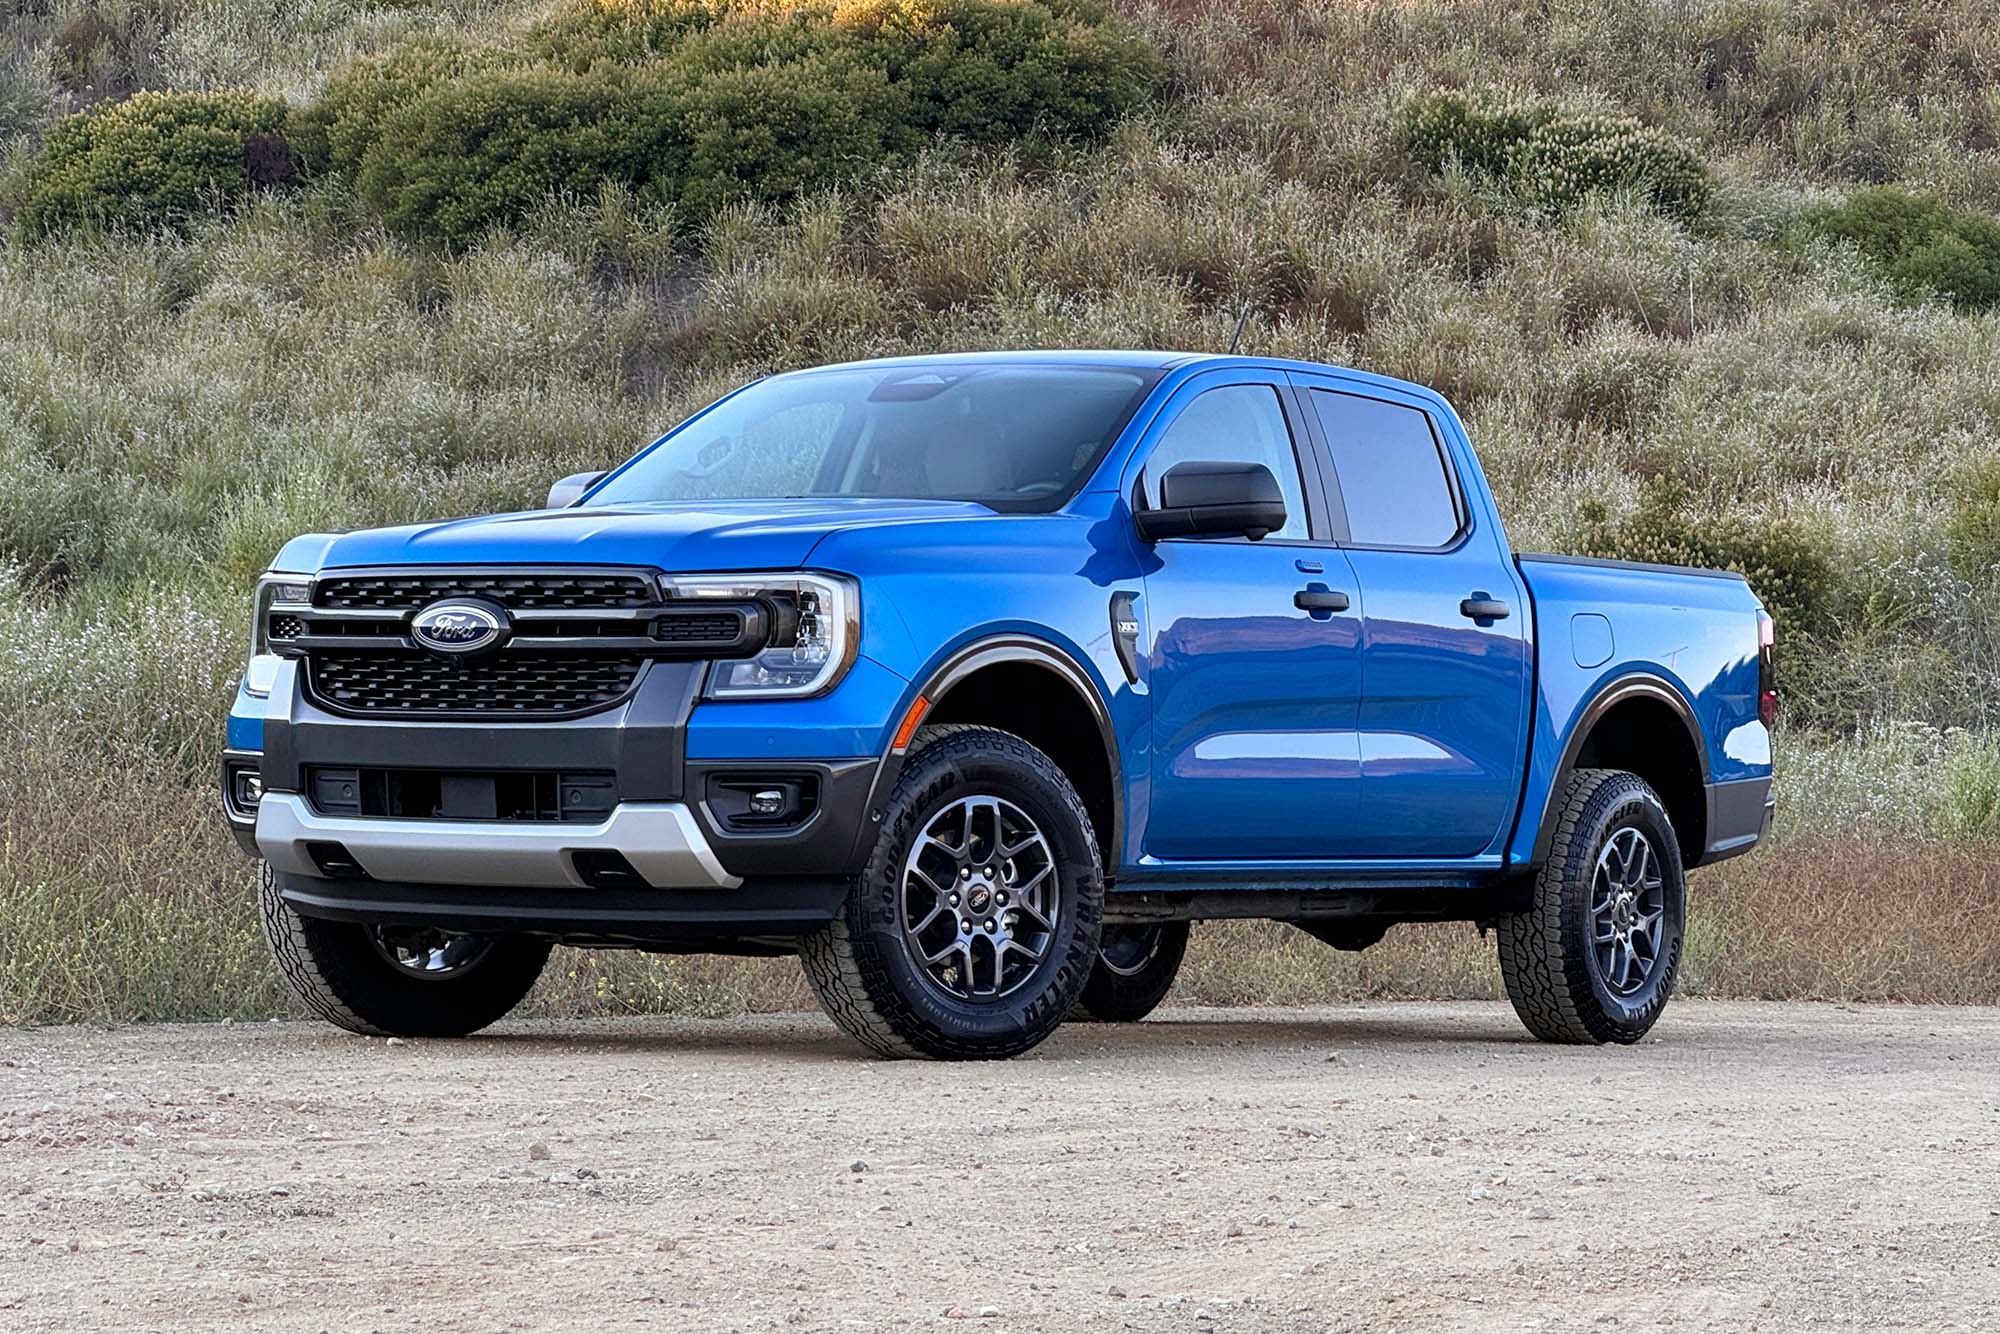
242, 789
763, 801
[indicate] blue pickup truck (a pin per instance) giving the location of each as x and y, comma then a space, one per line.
972, 681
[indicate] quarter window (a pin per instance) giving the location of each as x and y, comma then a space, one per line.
1392, 472
1238, 423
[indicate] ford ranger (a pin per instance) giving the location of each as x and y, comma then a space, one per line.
972, 681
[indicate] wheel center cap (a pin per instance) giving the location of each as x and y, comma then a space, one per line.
980, 899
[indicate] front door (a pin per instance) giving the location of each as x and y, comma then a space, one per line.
1446, 659
1254, 665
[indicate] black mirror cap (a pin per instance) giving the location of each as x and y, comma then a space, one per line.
1208, 499
571, 488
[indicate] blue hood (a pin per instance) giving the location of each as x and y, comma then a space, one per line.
683, 536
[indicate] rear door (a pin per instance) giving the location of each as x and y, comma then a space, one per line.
1446, 664
1255, 661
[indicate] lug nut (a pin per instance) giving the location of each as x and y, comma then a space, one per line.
989, 924
965, 925
954, 900
1003, 896
965, 873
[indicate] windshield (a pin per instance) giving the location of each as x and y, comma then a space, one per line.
1012, 437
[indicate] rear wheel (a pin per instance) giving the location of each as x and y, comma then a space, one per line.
398, 980
974, 926
1136, 967
1595, 956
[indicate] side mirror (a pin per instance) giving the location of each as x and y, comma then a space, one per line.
566, 492
1204, 499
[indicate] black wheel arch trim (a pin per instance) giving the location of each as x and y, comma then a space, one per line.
1633, 685
993, 651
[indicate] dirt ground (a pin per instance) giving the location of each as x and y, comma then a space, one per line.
1368, 1167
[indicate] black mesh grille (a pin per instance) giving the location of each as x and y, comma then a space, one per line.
401, 592
287, 627
512, 685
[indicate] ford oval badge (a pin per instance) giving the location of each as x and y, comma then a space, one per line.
459, 627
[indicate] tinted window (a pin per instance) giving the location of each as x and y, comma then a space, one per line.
1240, 423
1013, 437
1392, 474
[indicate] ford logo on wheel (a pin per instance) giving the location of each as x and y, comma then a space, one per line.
459, 627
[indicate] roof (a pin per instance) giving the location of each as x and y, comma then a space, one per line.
1135, 359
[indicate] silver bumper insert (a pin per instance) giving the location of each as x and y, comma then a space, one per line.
660, 839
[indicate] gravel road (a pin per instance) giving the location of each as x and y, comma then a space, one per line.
1370, 1167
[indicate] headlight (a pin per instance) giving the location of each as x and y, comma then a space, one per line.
273, 591
817, 633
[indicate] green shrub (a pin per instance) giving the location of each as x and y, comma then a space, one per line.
489, 147
1553, 161
1972, 533
583, 32
1923, 245
988, 70
773, 132
347, 119
155, 160
702, 103
1971, 790
1786, 566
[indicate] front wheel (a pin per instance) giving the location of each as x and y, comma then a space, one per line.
1136, 968
971, 931
403, 981
1595, 955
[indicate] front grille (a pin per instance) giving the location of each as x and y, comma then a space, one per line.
411, 683
287, 627
519, 592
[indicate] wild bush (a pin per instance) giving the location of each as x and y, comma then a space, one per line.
155, 160
1551, 160
705, 102
1785, 564
1973, 530
1923, 245
491, 146
347, 118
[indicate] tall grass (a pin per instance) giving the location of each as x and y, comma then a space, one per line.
173, 408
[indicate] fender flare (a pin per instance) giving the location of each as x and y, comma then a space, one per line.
1619, 690
997, 650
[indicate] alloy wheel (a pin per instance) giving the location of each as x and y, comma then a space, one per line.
1627, 909
979, 899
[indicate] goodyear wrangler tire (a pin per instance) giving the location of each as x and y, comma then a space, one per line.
971, 931
1595, 955
397, 982
1136, 967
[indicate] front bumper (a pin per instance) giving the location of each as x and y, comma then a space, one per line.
698, 867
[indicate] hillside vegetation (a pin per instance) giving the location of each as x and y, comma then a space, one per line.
1707, 282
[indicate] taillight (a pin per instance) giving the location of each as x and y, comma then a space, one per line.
1767, 681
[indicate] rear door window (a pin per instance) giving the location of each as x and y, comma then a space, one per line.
1394, 479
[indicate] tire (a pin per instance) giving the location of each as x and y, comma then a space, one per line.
1565, 981
345, 978
1136, 967
1004, 986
